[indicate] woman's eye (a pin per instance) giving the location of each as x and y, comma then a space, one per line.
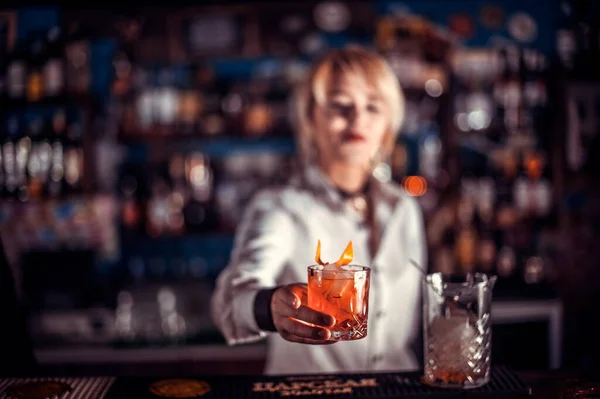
340, 107
373, 108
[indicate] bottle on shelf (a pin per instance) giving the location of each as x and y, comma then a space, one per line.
144, 103
157, 206
179, 195
45, 157
123, 71
12, 134
31, 153
54, 66
16, 73
166, 99
77, 56
131, 191
124, 58
58, 135
189, 111
198, 212
213, 122
35, 67
74, 157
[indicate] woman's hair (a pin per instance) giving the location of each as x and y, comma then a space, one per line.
355, 61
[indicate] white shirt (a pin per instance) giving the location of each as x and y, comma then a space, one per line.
275, 243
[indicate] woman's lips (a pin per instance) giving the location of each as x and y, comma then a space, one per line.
354, 137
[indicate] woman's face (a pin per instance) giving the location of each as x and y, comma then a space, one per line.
350, 124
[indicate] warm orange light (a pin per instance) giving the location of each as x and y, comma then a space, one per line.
534, 163
415, 185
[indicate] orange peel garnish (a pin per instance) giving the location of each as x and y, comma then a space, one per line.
318, 254
345, 259
347, 256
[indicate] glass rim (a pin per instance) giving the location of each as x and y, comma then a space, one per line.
452, 280
460, 278
359, 268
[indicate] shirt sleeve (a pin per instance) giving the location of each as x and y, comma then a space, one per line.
262, 247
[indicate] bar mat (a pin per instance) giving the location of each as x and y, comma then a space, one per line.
61, 388
503, 384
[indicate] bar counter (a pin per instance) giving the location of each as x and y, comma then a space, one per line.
504, 383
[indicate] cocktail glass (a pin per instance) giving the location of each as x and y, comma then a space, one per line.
457, 330
343, 292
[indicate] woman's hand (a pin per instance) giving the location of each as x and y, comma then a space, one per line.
290, 315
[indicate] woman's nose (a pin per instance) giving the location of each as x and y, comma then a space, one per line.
357, 117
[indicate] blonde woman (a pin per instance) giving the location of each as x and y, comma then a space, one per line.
348, 113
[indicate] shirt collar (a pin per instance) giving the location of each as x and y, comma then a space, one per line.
382, 194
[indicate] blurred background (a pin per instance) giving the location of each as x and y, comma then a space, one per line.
132, 139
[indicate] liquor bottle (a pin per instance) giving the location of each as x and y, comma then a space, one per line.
45, 157
534, 270
399, 161
179, 195
465, 211
57, 167
166, 98
542, 192
129, 188
124, 61
189, 111
507, 262
12, 131
233, 106
198, 213
258, 115
466, 248
35, 67
567, 37
54, 67
144, 102
157, 206
16, 73
73, 156
258, 118
123, 70
77, 54
430, 153
486, 200
507, 175
33, 185
213, 120
487, 252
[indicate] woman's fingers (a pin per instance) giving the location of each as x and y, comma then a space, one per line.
302, 330
288, 304
294, 338
296, 322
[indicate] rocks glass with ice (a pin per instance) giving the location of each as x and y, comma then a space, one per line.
343, 292
457, 330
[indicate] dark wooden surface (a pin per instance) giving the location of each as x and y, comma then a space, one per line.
555, 384
543, 384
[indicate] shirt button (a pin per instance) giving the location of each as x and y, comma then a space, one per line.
380, 314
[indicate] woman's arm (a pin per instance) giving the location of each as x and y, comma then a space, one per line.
263, 245
247, 303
